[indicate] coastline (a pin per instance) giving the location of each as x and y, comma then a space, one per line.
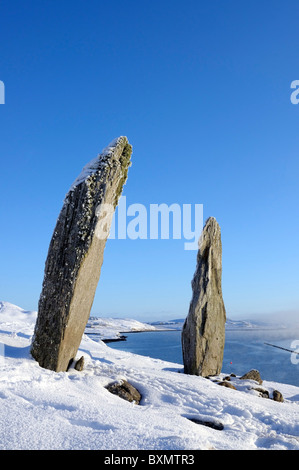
123, 337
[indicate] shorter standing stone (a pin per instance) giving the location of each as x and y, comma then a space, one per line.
203, 333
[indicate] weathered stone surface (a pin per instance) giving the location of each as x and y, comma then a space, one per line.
252, 375
126, 391
277, 396
203, 333
210, 424
80, 364
227, 385
262, 392
75, 256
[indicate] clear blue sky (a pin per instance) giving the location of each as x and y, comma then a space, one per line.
202, 91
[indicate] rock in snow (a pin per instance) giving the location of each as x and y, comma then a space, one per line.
203, 332
252, 375
75, 256
125, 390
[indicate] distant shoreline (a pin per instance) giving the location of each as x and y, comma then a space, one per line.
124, 338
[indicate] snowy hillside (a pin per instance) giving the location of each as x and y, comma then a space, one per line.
229, 325
113, 328
42, 409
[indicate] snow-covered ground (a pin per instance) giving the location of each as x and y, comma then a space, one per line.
42, 409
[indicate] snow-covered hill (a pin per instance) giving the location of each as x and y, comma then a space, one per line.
42, 409
113, 328
177, 324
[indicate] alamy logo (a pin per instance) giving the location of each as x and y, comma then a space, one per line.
294, 96
159, 221
2, 93
295, 353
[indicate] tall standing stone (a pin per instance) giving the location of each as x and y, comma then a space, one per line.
203, 333
75, 256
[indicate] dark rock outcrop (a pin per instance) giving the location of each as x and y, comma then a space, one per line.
203, 333
277, 396
227, 385
80, 364
210, 424
262, 392
252, 375
125, 390
75, 256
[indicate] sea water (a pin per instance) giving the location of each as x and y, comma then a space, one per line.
243, 351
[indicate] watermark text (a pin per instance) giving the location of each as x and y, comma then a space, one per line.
295, 354
158, 221
294, 95
2, 93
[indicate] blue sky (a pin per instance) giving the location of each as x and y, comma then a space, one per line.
202, 91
